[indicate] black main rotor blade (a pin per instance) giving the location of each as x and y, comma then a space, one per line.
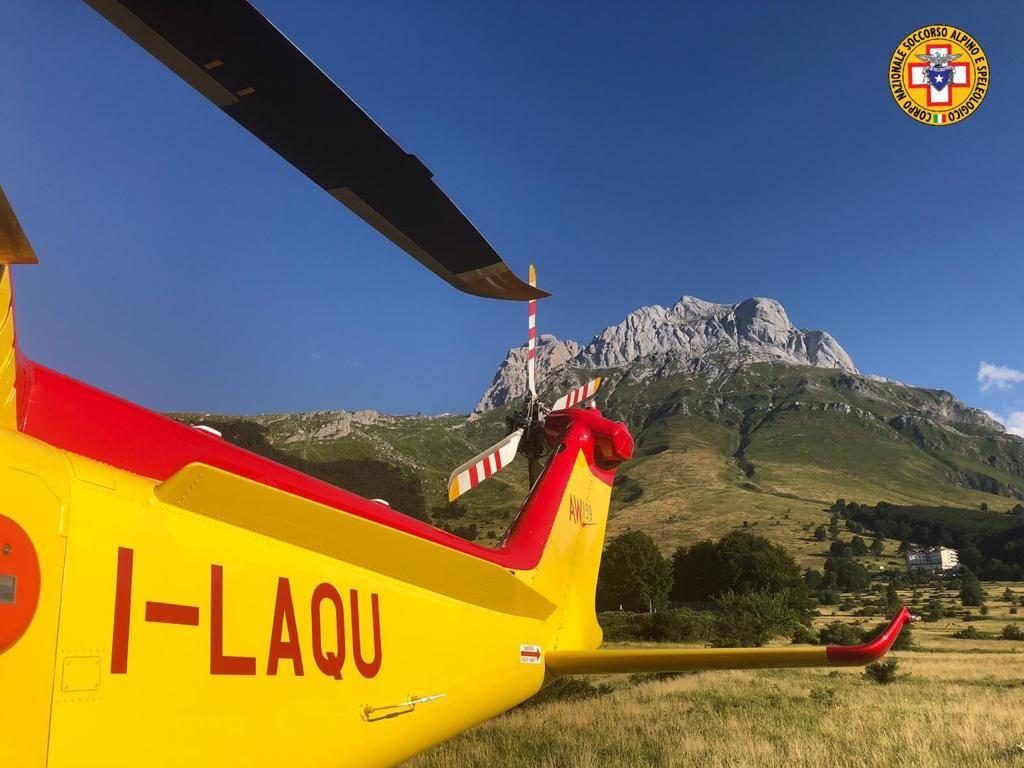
14, 246
231, 54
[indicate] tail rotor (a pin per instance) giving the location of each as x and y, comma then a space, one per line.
525, 425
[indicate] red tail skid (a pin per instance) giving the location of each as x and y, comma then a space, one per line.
858, 655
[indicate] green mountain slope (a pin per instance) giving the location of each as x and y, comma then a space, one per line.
768, 446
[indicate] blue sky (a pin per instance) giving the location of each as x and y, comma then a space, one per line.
636, 152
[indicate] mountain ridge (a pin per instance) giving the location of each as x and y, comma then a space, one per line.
740, 419
692, 336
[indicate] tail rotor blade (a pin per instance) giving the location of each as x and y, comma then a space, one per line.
478, 469
531, 353
578, 395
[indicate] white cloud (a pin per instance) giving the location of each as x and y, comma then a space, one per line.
998, 376
1014, 421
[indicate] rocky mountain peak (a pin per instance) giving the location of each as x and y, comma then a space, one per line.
509, 382
692, 336
701, 337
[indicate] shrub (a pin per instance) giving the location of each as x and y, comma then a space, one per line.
828, 597
970, 633
882, 672
1012, 632
839, 633
670, 626
753, 618
824, 696
678, 626
804, 635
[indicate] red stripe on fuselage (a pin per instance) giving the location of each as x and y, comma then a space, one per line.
80, 419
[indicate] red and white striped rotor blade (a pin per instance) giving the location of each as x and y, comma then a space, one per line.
531, 344
578, 395
474, 472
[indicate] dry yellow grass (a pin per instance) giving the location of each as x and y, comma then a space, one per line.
957, 703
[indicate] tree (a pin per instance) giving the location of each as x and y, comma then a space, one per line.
971, 592
935, 610
843, 573
877, 547
634, 575
754, 618
892, 600
859, 546
839, 633
820, 533
813, 579
738, 562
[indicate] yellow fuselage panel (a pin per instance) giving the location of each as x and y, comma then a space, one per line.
185, 639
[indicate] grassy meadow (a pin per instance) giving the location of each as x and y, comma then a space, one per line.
955, 702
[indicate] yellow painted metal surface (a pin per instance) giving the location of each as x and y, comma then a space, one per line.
210, 620
34, 492
354, 540
199, 622
8, 368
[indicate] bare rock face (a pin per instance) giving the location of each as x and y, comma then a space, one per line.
317, 426
701, 337
692, 336
510, 382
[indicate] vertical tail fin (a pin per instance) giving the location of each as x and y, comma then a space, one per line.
564, 519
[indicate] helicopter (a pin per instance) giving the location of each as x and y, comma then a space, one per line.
170, 599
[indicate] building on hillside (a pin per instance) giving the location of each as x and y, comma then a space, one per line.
933, 560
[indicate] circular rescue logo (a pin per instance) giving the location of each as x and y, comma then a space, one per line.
939, 75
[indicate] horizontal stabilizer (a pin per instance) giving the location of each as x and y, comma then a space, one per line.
686, 659
349, 538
